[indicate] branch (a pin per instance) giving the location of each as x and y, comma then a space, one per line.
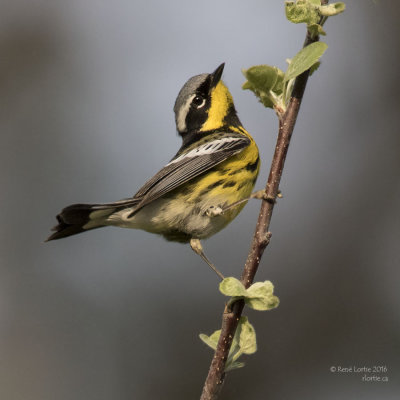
261, 237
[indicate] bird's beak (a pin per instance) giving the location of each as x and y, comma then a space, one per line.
216, 76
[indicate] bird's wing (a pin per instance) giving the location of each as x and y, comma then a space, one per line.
189, 164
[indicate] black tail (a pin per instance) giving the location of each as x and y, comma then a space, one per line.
79, 218
72, 220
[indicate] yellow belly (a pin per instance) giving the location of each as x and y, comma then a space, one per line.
182, 214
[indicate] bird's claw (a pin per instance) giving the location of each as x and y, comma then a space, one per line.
214, 211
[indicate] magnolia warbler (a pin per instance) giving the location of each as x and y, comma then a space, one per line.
203, 187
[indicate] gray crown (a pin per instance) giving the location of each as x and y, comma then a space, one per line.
188, 89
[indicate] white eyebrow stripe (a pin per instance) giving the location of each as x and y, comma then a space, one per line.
206, 148
182, 113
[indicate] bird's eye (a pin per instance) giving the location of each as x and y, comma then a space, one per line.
199, 101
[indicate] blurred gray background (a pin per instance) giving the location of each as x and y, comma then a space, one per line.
86, 96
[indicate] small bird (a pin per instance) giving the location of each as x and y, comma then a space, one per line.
203, 187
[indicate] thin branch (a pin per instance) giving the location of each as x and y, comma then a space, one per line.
261, 237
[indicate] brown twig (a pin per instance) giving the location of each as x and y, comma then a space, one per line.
261, 237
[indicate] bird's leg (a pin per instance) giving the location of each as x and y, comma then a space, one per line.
198, 249
260, 195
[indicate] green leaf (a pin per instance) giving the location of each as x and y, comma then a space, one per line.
233, 365
310, 12
260, 296
247, 337
314, 67
211, 340
244, 342
302, 11
315, 30
304, 59
329, 10
263, 77
266, 82
232, 287
260, 289
234, 352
